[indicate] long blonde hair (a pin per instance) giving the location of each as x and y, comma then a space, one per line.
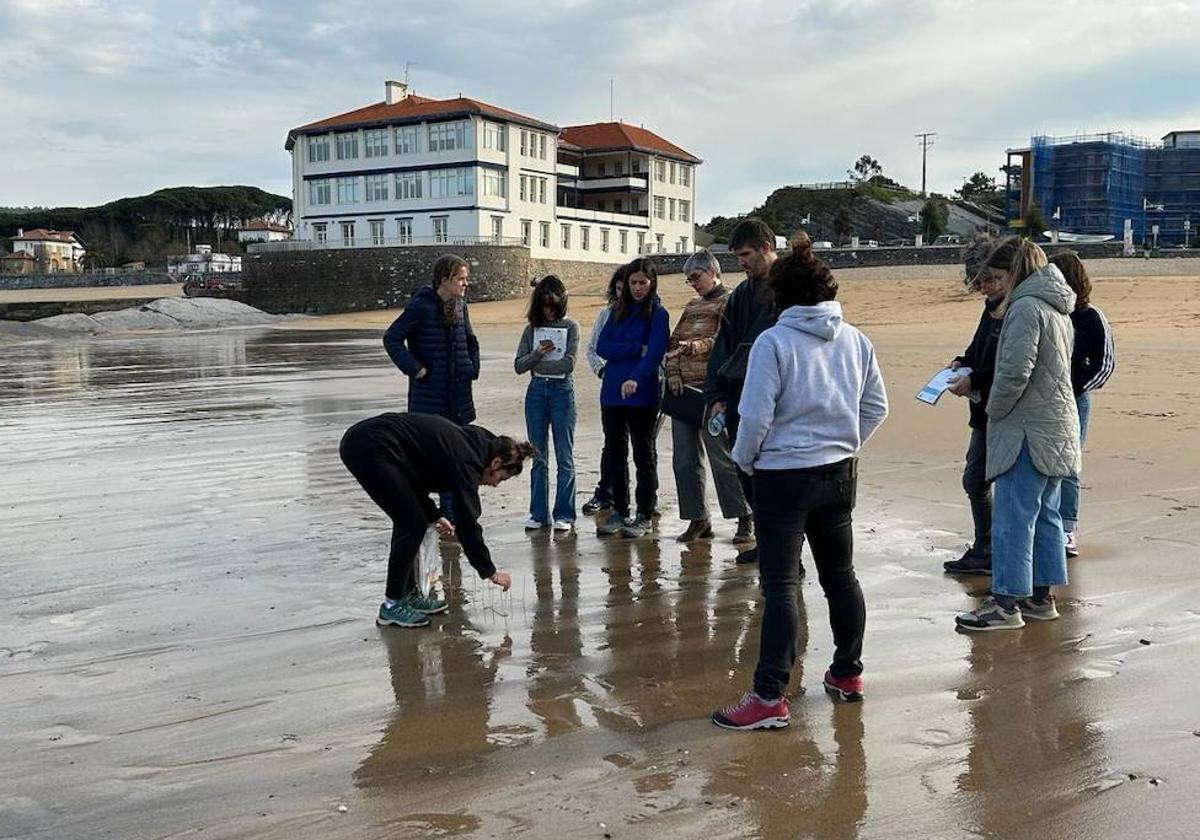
1018, 257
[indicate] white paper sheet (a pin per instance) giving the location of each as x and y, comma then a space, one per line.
941, 380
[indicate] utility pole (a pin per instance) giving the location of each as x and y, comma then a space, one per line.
925, 139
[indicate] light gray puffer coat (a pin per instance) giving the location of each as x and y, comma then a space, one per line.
1031, 397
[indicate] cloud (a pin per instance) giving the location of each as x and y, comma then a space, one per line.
105, 99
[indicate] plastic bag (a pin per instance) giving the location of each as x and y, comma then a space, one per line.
429, 562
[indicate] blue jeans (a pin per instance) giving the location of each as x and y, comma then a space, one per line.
1070, 484
550, 408
1028, 545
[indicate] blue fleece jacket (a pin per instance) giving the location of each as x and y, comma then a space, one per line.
633, 348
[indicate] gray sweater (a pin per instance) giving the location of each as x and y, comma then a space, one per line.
529, 361
1032, 400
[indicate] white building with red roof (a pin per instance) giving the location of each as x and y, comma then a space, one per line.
411, 170
54, 251
260, 230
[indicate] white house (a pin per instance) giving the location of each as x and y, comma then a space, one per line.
202, 260
412, 170
54, 250
260, 230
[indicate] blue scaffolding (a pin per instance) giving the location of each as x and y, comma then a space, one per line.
1093, 182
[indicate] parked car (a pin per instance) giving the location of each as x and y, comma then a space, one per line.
948, 239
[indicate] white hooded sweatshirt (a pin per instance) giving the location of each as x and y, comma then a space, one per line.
813, 392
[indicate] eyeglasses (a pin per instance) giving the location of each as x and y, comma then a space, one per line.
693, 278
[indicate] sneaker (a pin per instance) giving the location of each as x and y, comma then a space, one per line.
532, 524
1072, 544
1045, 610
745, 530
971, 563
753, 712
611, 525
748, 556
989, 615
400, 615
563, 525
637, 526
424, 604
846, 689
595, 505
698, 529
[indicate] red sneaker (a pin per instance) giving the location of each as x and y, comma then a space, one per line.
753, 712
846, 689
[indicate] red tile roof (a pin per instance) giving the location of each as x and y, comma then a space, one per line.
262, 224
43, 235
17, 255
414, 107
615, 136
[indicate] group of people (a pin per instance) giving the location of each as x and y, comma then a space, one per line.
772, 388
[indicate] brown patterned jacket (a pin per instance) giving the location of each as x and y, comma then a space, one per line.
694, 336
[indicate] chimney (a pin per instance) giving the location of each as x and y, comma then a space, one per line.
394, 92
20, 232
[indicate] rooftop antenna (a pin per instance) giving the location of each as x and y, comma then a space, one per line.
407, 66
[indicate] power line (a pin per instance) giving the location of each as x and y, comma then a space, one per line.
925, 139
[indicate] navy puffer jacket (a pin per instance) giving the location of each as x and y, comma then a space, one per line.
419, 338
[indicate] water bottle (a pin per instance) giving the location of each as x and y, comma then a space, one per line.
716, 424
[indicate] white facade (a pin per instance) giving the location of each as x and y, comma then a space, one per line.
55, 251
478, 179
264, 233
202, 261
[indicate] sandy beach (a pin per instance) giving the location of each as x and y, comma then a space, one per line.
188, 581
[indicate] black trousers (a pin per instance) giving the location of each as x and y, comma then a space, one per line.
789, 505
625, 426
380, 468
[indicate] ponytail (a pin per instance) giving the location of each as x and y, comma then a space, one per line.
513, 454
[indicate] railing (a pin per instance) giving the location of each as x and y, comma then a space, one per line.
578, 214
338, 242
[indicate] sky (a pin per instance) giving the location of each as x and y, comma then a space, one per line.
103, 99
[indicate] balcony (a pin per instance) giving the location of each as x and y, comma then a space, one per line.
336, 242
612, 182
578, 214
568, 170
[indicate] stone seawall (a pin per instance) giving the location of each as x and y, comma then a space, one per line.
322, 282
34, 310
14, 282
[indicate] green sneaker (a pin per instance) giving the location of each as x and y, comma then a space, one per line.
425, 605
401, 615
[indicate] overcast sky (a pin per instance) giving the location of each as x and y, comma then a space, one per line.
107, 99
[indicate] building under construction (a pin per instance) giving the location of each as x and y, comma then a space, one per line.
1093, 184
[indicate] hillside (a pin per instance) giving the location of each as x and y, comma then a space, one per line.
866, 211
151, 227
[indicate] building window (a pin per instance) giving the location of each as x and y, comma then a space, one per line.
375, 143
604, 240
672, 178
619, 167
542, 146
497, 229
319, 191
441, 226
544, 234
541, 190
623, 239
637, 166
408, 185
495, 136
683, 244
446, 137
641, 241
600, 167
619, 205
685, 210
566, 237
318, 149
660, 207
495, 183
585, 237
660, 170
321, 232
526, 232
671, 209
377, 188
404, 231
348, 234
347, 145
376, 231
525, 143
347, 190
658, 243
685, 174
447, 183
524, 181
408, 140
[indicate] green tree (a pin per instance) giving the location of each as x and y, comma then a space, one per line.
935, 217
978, 187
1035, 221
865, 168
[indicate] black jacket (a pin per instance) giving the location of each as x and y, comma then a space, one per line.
439, 456
1093, 359
750, 311
421, 338
980, 357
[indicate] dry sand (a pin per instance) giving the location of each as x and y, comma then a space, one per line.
157, 290
189, 577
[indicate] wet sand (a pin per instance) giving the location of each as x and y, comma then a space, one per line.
189, 579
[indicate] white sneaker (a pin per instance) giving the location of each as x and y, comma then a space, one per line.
532, 524
563, 525
1072, 544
